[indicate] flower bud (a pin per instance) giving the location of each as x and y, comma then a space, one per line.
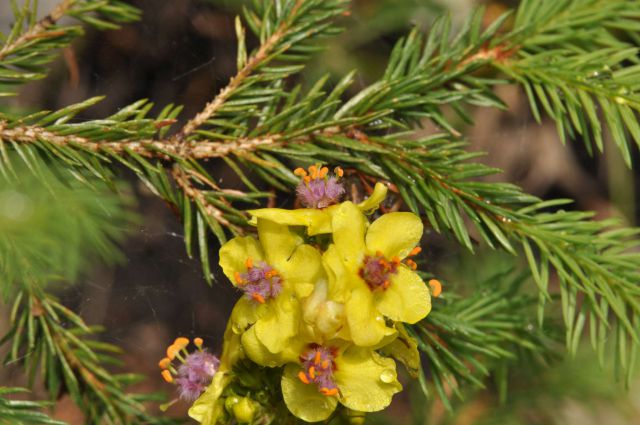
244, 410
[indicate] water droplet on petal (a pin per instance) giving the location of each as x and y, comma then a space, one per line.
388, 376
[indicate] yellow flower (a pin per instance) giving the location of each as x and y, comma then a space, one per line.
274, 272
325, 375
366, 268
317, 221
209, 407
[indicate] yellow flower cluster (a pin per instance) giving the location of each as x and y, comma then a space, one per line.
325, 293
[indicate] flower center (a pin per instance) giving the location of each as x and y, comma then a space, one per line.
196, 369
317, 189
376, 271
260, 282
318, 366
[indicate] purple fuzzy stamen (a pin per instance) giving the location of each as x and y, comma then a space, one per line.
377, 271
196, 374
261, 283
318, 367
320, 193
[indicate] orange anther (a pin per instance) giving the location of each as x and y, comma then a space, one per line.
172, 350
303, 378
436, 287
415, 251
249, 263
198, 342
412, 264
317, 358
312, 372
300, 172
238, 278
258, 298
271, 273
306, 179
379, 254
329, 392
164, 363
395, 260
167, 376
325, 364
313, 170
181, 342
323, 172
386, 284
339, 171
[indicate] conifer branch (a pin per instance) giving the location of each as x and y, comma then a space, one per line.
260, 58
22, 411
150, 148
466, 339
262, 130
31, 44
48, 338
39, 29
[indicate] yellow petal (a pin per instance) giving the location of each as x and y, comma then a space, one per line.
395, 234
304, 400
258, 353
407, 299
302, 270
372, 203
317, 221
278, 242
234, 254
208, 407
244, 314
232, 350
349, 227
279, 322
338, 276
367, 381
366, 324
